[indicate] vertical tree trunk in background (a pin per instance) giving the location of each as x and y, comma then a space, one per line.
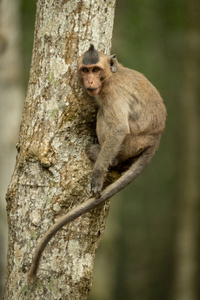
52, 172
187, 247
11, 99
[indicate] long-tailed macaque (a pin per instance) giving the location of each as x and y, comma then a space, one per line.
130, 122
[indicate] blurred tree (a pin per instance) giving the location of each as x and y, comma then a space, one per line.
28, 10
12, 96
52, 169
187, 275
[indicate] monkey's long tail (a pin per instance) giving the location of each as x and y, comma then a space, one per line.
136, 168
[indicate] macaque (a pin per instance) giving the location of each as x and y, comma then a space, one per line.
130, 122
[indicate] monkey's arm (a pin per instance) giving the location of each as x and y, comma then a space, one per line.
112, 128
109, 150
136, 168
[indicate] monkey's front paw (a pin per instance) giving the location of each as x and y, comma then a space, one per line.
97, 183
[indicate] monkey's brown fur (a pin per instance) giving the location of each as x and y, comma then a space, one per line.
130, 122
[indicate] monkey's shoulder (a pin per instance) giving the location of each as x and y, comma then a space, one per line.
136, 84
134, 77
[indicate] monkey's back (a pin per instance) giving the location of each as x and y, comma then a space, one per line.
147, 109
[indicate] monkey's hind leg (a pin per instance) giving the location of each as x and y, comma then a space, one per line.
93, 152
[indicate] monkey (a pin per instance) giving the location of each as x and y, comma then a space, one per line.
130, 121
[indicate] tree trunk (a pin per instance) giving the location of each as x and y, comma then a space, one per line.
11, 99
186, 283
52, 172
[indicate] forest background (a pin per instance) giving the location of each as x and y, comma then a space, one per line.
150, 249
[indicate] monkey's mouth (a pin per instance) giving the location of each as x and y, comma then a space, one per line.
93, 91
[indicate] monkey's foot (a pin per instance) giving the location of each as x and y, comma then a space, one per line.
97, 183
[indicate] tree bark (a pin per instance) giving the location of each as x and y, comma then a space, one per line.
52, 172
11, 99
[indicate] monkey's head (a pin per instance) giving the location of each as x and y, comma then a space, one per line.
94, 69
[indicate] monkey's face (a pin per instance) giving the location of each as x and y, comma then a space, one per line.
91, 77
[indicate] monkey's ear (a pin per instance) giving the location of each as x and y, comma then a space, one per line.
113, 63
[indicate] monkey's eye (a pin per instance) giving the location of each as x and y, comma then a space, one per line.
96, 69
85, 70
